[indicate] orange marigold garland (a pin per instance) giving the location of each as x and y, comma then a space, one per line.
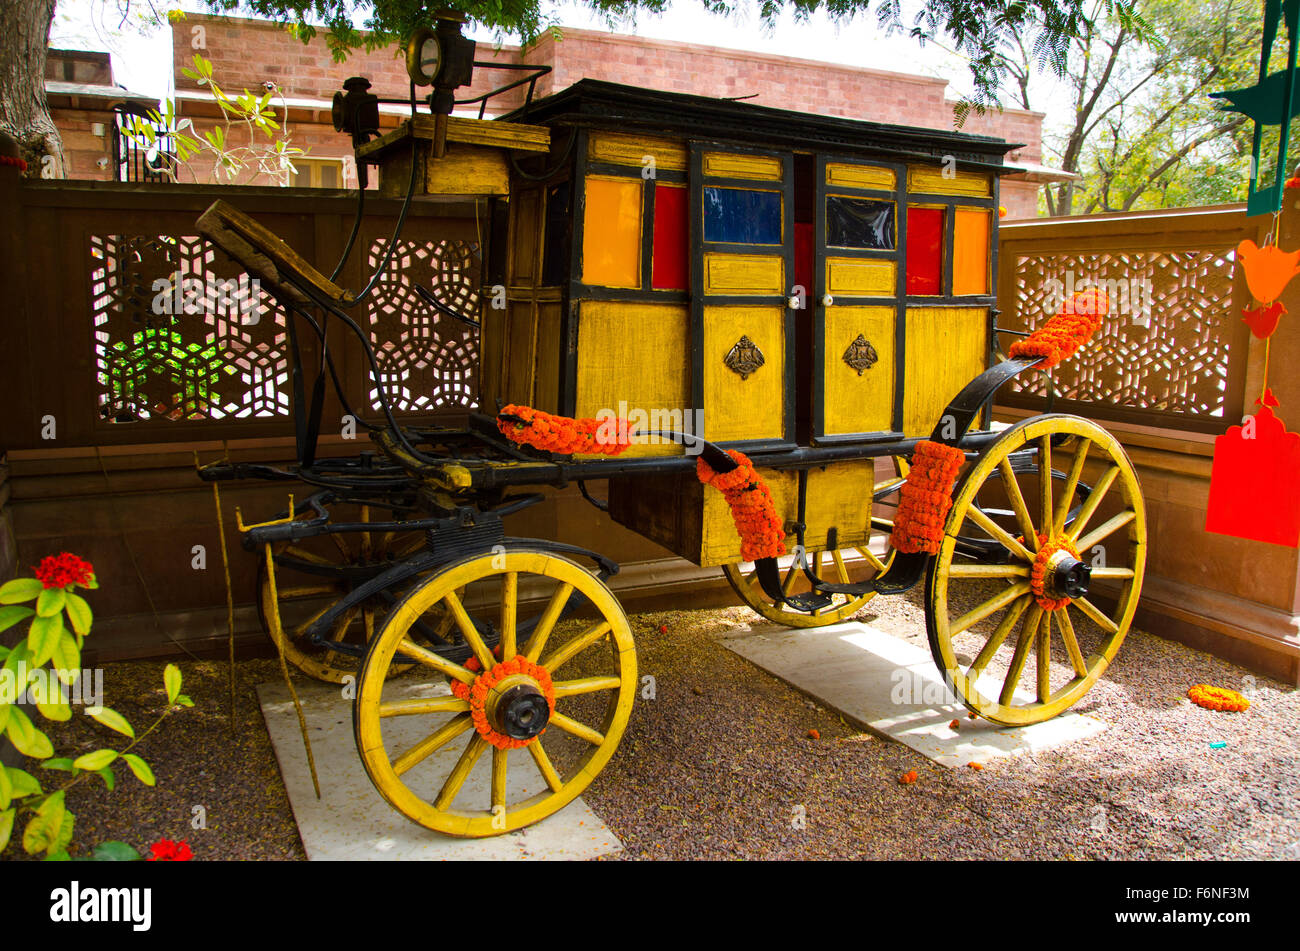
562, 435
762, 533
1062, 336
926, 497
1217, 698
1038, 574
477, 694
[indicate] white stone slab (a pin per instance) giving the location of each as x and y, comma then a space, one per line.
351, 821
894, 690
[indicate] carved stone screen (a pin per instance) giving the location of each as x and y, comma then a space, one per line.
1165, 350
427, 357
181, 333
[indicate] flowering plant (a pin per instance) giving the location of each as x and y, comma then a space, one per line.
49, 825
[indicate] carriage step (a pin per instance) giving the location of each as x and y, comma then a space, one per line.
812, 601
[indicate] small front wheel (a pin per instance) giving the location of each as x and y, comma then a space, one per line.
487, 740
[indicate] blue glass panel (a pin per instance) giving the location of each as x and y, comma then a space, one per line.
742, 216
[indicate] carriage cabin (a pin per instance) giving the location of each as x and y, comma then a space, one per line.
765, 279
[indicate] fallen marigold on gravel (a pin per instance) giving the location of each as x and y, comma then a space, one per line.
954, 724
1217, 698
975, 766
815, 734
908, 777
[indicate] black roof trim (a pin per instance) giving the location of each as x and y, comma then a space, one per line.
597, 104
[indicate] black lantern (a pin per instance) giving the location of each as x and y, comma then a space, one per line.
441, 57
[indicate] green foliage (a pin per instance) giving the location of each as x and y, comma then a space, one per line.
47, 827
194, 369
979, 29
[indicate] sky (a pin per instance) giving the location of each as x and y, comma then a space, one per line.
142, 62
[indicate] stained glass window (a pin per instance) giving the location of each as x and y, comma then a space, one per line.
742, 216
859, 223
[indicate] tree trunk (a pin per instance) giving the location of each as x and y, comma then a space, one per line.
24, 112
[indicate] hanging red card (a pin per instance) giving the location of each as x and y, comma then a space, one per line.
1255, 482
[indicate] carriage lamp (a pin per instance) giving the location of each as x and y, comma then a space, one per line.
356, 110
442, 58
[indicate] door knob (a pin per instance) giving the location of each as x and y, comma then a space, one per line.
828, 300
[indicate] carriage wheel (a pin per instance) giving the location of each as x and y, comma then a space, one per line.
303, 596
986, 616
550, 710
837, 567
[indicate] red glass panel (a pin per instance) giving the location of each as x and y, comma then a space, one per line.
671, 266
924, 250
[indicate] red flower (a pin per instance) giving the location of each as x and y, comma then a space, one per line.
63, 569
165, 850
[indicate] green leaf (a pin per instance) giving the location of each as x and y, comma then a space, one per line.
63, 838
6, 827
42, 833
106, 774
50, 700
59, 856
19, 590
184, 700
50, 602
112, 719
4, 716
6, 790
92, 584
61, 763
92, 762
140, 768
172, 681
114, 851
79, 613
67, 658
25, 737
43, 638
11, 615
23, 782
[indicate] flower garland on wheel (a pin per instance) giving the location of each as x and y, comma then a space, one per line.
926, 497
476, 694
562, 435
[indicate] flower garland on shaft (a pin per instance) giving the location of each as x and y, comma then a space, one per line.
926, 497
762, 533
477, 693
562, 435
1062, 336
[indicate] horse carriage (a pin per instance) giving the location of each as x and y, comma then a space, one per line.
774, 335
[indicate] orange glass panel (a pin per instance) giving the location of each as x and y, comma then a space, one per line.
970, 251
611, 233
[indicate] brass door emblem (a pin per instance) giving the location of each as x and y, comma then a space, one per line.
744, 358
861, 355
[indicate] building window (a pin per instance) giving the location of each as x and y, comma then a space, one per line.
318, 173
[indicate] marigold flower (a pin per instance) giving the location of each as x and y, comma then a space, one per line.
1218, 698
908, 777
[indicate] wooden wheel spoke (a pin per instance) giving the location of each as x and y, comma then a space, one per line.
1017, 499
407, 708
545, 624
971, 570
1071, 483
572, 688
301, 592
1045, 509
574, 728
432, 743
1116, 574
1105, 530
574, 646
999, 635
788, 583
1043, 655
310, 557
1095, 613
509, 613
468, 631
341, 545
427, 657
840, 570
1017, 666
460, 772
999, 533
999, 600
870, 556
544, 765
1071, 642
500, 760
1090, 504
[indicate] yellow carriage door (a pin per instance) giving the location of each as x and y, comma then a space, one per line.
858, 289
742, 255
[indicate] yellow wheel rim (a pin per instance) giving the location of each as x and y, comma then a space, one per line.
984, 620
427, 780
853, 563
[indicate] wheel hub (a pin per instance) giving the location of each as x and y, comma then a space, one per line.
518, 708
1069, 577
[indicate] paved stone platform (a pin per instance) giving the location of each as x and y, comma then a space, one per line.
351, 821
893, 689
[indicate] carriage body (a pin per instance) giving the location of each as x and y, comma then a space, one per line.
761, 278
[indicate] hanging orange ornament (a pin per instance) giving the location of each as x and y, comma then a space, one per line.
1268, 271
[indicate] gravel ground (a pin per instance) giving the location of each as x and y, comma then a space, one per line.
720, 765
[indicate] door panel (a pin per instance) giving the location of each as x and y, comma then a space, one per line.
742, 254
